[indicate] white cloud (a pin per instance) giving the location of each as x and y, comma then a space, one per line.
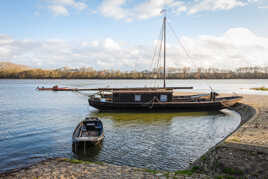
62, 7
110, 44
59, 10
213, 5
253, 1
263, 7
4, 52
80, 5
4, 39
120, 9
66, 2
235, 48
153, 8
128, 10
144, 10
112, 8
73, 3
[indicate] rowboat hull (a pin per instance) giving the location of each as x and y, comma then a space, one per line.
88, 131
89, 140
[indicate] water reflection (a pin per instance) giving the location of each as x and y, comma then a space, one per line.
38, 125
86, 151
163, 141
148, 118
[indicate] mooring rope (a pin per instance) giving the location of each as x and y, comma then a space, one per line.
151, 103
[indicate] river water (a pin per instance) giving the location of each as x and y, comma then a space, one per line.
35, 125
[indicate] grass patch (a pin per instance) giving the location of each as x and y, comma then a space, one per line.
195, 168
151, 171
204, 157
224, 177
166, 174
184, 172
98, 162
229, 177
235, 140
260, 89
187, 172
219, 177
75, 161
232, 171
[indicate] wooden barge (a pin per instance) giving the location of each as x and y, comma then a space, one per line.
139, 99
158, 99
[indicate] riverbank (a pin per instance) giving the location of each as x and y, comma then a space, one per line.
66, 168
242, 154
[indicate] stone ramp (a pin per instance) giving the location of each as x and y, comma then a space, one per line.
60, 168
244, 154
254, 131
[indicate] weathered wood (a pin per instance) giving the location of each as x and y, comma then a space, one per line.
145, 88
108, 89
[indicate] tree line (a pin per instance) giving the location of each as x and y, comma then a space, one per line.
173, 73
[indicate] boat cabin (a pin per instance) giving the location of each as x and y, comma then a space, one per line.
141, 96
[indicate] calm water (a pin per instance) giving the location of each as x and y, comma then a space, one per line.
38, 125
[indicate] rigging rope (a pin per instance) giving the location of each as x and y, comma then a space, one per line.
177, 38
156, 62
183, 47
159, 55
156, 48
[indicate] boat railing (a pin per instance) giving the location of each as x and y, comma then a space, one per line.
101, 98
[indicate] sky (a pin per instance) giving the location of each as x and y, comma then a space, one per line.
122, 34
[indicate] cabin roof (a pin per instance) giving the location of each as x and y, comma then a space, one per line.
138, 88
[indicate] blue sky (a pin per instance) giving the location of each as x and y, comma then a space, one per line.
108, 28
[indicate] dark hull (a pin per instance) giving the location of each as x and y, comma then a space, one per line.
90, 143
169, 106
155, 107
86, 132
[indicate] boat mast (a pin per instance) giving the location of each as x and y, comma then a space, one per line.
164, 22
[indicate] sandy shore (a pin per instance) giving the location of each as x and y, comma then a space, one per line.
242, 154
255, 131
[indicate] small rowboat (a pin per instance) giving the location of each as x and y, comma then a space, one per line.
54, 88
89, 131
